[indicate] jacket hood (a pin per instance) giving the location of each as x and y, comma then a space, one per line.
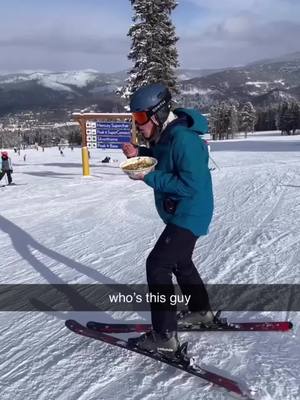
195, 120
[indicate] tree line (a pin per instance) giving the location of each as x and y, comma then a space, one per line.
42, 136
228, 118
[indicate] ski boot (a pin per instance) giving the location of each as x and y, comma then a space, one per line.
165, 343
187, 319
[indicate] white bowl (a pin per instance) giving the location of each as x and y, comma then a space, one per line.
133, 172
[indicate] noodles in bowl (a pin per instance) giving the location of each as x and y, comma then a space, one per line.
136, 165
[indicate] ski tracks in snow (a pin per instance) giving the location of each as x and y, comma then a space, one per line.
101, 230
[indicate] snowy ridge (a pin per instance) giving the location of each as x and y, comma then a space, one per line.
194, 90
57, 81
257, 84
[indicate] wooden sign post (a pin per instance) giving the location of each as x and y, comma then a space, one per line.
104, 131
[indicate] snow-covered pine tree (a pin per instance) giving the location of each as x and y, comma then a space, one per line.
288, 117
234, 121
153, 48
284, 117
280, 118
248, 118
266, 118
295, 123
225, 109
219, 120
213, 121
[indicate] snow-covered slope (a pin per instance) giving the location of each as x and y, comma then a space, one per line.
58, 227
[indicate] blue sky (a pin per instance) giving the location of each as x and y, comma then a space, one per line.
79, 34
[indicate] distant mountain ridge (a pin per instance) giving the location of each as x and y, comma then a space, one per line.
263, 82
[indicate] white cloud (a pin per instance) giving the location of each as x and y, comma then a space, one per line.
227, 33
222, 33
238, 24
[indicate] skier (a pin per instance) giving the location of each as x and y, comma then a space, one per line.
184, 200
6, 167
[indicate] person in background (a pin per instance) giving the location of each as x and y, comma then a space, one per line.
106, 160
184, 200
6, 167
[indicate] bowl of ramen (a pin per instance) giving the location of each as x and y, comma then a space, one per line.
136, 165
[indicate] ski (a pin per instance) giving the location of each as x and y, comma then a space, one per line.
216, 377
221, 326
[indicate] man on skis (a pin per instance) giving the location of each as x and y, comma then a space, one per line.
184, 200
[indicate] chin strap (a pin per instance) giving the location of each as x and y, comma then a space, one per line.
158, 128
171, 118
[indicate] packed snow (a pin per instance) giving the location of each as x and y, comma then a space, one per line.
257, 84
195, 90
59, 227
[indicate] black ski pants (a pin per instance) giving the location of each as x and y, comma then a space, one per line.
8, 173
172, 254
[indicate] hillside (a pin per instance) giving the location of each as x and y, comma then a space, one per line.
264, 83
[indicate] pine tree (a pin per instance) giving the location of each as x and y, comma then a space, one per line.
234, 121
295, 120
213, 121
248, 118
288, 117
153, 49
225, 119
219, 120
281, 117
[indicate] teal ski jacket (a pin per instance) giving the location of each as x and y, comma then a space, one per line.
182, 175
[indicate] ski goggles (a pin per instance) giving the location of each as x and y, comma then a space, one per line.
141, 117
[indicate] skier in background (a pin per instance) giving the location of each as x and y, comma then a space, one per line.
6, 167
106, 160
184, 200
